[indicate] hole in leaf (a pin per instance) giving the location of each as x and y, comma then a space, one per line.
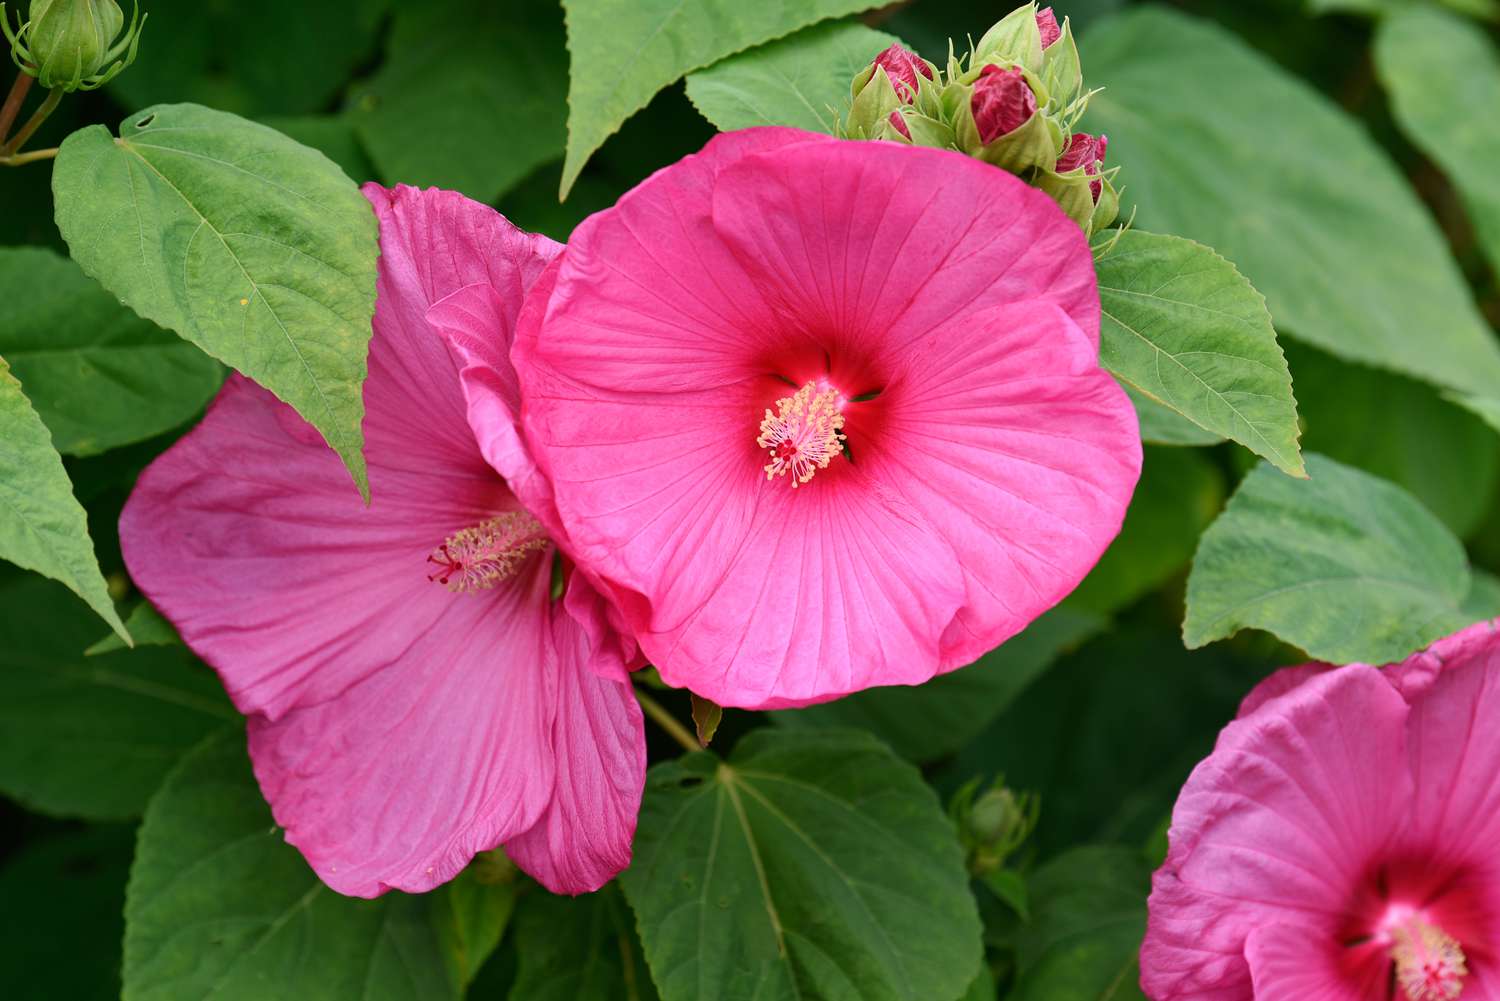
689, 781
145, 121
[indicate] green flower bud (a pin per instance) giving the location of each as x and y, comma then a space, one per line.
875, 100
1015, 38
73, 44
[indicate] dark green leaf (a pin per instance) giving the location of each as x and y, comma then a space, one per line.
44, 528
472, 911
1179, 493
1185, 328
1440, 71
1204, 160
1081, 942
91, 736
620, 55
220, 906
98, 375
579, 949
801, 80
810, 864
146, 627
471, 96
1400, 430
1344, 565
255, 248
60, 927
929, 721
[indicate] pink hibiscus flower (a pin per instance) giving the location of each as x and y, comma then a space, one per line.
821, 415
415, 695
1340, 842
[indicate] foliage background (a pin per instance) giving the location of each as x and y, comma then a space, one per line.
1102, 711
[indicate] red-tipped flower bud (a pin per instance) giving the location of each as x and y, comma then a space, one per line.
1046, 22
1002, 102
902, 66
899, 124
1084, 151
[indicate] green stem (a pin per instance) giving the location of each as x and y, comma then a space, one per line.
20, 159
33, 123
18, 91
666, 721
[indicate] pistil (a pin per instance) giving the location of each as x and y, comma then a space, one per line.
481, 556
804, 434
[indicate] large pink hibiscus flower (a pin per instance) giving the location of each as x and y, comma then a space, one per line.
1340, 842
821, 415
415, 695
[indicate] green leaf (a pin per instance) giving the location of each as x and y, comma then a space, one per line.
255, 248
146, 627
472, 911
707, 715
579, 949
1185, 328
1346, 566
471, 96
801, 80
1082, 941
1161, 426
1179, 493
91, 736
620, 55
250, 921
98, 375
810, 864
929, 721
1483, 600
1205, 161
44, 527
282, 57
1401, 431
1381, 8
1487, 407
332, 135
1440, 70
61, 921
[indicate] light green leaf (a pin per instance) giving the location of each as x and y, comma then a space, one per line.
810, 864
1179, 493
801, 80
1380, 8
91, 736
332, 135
220, 906
579, 949
98, 375
1161, 426
1441, 71
44, 528
1346, 566
1083, 938
1302, 201
255, 248
928, 721
620, 55
1483, 600
1185, 328
1401, 431
471, 96
145, 625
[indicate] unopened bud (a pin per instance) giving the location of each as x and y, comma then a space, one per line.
72, 44
1002, 102
1046, 23
903, 67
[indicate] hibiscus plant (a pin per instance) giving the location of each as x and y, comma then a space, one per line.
710, 501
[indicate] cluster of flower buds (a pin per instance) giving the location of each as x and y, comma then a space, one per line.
1012, 101
73, 44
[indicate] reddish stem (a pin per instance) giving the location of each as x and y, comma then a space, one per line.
13, 101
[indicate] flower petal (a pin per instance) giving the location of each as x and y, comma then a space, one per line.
598, 741
444, 752
1019, 451
891, 242
1276, 825
1289, 964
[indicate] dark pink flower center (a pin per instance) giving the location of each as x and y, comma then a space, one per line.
481, 556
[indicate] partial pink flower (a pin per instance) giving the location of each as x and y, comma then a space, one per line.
903, 67
1046, 22
1002, 102
820, 415
1084, 151
1339, 842
414, 693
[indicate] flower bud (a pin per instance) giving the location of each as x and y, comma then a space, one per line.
1016, 38
875, 101
1079, 184
899, 124
1084, 151
1046, 23
903, 67
1002, 102
71, 44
